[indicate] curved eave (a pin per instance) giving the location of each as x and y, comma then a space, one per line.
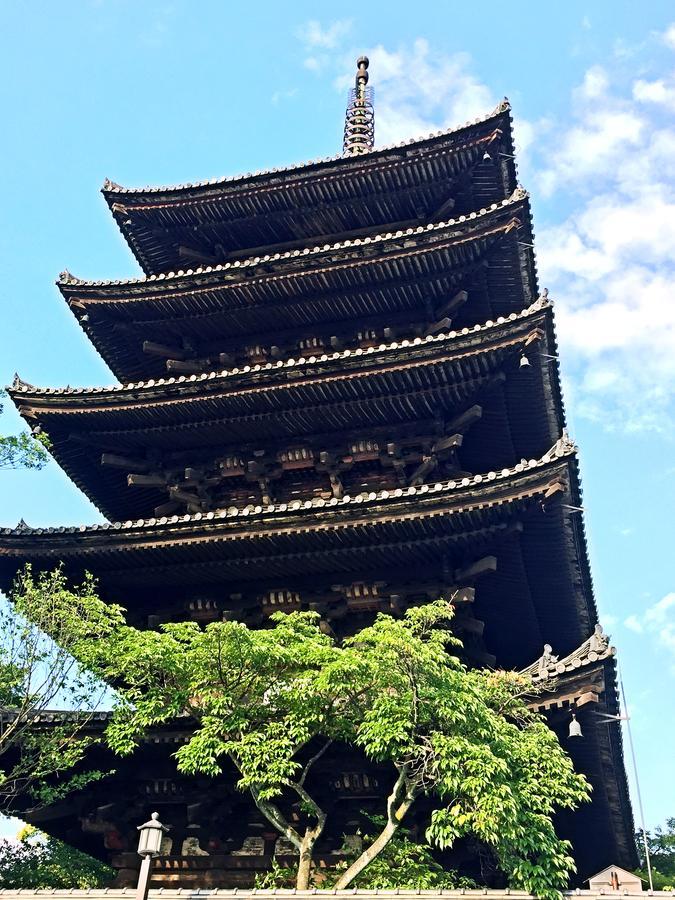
312, 255
389, 185
349, 391
506, 332
146, 563
387, 277
456, 507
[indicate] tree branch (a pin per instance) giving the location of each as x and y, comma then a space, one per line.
311, 762
274, 815
395, 815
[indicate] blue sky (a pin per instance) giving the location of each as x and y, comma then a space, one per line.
167, 92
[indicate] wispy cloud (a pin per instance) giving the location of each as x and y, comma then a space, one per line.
419, 90
668, 36
313, 34
280, 96
158, 25
658, 623
602, 174
319, 40
611, 261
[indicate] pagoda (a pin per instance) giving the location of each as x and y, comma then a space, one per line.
338, 391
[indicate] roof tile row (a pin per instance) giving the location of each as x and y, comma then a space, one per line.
23, 387
519, 194
564, 447
112, 187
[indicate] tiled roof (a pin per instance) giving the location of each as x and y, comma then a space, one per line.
110, 187
276, 893
21, 388
67, 278
563, 448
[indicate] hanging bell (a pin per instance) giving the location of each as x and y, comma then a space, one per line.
575, 728
524, 361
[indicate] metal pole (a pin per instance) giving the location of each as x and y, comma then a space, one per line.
637, 782
144, 878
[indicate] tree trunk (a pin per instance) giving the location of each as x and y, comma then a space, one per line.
305, 861
380, 842
304, 870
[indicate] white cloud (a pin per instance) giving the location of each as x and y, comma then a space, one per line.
634, 624
320, 40
610, 262
279, 96
660, 91
669, 36
314, 34
595, 83
604, 176
658, 622
591, 148
418, 90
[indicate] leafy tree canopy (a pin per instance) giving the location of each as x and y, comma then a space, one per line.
271, 701
22, 451
661, 846
35, 860
38, 672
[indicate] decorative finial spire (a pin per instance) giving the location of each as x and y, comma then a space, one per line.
360, 118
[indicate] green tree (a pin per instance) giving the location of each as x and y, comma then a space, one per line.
661, 846
271, 701
38, 673
35, 860
402, 863
22, 451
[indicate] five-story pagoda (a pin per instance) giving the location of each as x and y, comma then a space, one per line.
338, 391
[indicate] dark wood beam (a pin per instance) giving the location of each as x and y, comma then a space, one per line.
443, 324
124, 462
465, 420
154, 349
450, 306
487, 565
187, 365
437, 214
190, 253
153, 480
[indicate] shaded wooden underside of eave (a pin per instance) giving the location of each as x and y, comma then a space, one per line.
147, 565
430, 504
345, 376
78, 441
523, 417
396, 288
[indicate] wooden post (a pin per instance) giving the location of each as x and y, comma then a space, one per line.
144, 878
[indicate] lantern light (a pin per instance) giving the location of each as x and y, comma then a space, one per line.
150, 838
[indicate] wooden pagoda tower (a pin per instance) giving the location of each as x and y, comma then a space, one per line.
339, 391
